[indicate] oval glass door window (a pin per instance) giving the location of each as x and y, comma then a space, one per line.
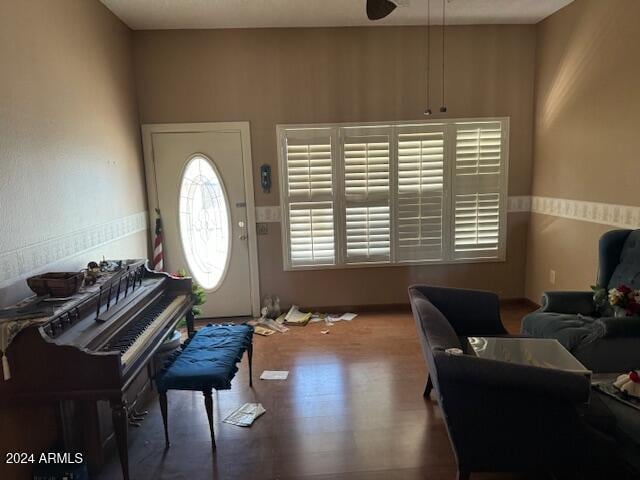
204, 222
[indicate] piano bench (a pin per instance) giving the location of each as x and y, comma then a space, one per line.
207, 361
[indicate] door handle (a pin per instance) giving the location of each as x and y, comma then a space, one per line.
242, 236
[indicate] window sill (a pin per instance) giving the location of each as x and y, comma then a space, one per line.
421, 263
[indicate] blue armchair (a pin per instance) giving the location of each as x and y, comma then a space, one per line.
470, 313
602, 344
500, 417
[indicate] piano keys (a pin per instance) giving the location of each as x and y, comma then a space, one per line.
98, 350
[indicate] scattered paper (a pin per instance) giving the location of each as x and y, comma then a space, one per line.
274, 375
245, 415
325, 332
295, 317
273, 325
317, 317
329, 318
265, 332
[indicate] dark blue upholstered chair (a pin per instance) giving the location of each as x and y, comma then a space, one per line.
499, 416
469, 312
601, 344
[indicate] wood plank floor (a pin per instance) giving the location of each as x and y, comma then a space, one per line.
352, 408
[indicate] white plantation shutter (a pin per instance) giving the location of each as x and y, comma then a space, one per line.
477, 223
309, 164
311, 234
308, 175
366, 163
479, 190
420, 193
368, 235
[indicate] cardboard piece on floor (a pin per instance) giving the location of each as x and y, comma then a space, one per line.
274, 375
260, 330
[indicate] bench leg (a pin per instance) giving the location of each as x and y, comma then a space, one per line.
163, 409
208, 405
250, 357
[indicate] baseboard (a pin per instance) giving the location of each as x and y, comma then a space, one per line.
371, 308
382, 307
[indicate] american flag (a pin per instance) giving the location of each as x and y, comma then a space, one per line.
158, 257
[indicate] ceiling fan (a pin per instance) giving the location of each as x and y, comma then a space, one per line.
377, 9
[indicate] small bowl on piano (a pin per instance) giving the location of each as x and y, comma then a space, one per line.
56, 284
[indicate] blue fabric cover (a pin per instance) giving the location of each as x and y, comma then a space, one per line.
570, 330
208, 361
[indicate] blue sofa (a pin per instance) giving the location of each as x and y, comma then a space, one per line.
602, 343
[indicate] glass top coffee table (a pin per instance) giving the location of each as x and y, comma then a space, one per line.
534, 352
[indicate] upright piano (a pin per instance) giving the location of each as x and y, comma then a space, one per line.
96, 354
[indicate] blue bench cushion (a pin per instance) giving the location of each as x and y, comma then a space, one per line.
208, 361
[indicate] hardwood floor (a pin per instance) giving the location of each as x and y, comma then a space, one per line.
352, 408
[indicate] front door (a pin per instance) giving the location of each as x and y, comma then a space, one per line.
200, 191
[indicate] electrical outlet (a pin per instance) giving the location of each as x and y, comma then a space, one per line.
262, 228
552, 277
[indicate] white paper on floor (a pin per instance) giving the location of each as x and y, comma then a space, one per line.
317, 317
274, 375
245, 415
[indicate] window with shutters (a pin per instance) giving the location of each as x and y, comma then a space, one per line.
367, 219
308, 169
393, 193
478, 189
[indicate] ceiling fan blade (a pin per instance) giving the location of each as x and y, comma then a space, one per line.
377, 9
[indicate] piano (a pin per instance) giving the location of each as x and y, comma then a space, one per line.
94, 357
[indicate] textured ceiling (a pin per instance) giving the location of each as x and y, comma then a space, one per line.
172, 14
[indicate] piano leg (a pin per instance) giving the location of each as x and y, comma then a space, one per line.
162, 397
208, 405
120, 425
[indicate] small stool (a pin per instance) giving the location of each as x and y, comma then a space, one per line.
207, 361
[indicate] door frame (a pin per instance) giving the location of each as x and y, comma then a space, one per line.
149, 129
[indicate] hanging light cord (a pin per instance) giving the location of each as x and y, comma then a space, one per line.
427, 65
443, 108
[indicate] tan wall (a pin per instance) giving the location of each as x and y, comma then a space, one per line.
586, 132
345, 75
70, 155
69, 149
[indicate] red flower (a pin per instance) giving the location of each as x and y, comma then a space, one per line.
623, 289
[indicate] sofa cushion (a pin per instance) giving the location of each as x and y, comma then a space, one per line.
628, 270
